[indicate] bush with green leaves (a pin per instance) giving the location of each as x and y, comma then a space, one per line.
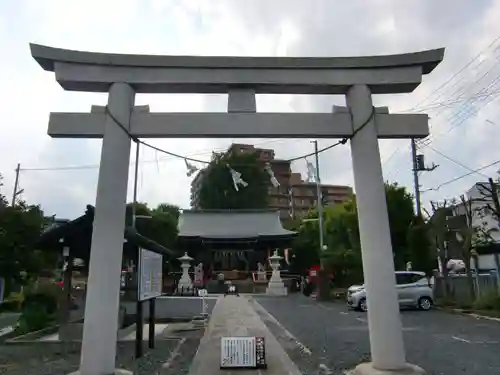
38, 309
488, 301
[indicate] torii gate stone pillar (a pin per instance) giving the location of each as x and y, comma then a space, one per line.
122, 76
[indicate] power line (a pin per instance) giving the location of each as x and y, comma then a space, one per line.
96, 166
462, 176
456, 162
473, 104
460, 71
449, 103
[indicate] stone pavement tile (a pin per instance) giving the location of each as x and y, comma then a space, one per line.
234, 316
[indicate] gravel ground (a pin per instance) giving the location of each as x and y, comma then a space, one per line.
337, 339
172, 355
55, 359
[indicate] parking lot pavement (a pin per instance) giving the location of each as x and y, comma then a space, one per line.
331, 337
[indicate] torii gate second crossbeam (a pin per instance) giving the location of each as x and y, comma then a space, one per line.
122, 76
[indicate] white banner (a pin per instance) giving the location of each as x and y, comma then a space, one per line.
150, 275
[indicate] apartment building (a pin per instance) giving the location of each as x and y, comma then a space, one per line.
304, 195
294, 197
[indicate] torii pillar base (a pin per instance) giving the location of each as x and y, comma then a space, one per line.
368, 369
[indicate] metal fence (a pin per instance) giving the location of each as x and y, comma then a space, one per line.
459, 287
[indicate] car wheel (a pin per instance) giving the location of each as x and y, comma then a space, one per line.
362, 305
425, 303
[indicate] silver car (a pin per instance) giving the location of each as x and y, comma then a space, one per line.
413, 287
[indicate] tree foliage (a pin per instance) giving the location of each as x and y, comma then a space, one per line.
401, 217
161, 226
304, 247
217, 189
20, 228
421, 250
343, 253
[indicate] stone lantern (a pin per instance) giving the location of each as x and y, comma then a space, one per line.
275, 287
185, 283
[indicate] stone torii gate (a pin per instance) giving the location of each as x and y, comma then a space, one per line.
122, 76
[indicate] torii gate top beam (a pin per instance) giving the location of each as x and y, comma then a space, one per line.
95, 72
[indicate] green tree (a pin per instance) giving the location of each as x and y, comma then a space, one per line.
169, 209
20, 228
422, 253
464, 235
217, 189
305, 246
438, 235
401, 217
343, 253
158, 224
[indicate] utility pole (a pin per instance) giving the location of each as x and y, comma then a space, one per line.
415, 176
15, 193
319, 199
418, 166
323, 291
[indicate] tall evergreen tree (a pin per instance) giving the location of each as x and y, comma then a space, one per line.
218, 190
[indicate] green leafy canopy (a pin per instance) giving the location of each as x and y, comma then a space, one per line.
217, 189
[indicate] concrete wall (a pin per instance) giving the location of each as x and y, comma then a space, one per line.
172, 307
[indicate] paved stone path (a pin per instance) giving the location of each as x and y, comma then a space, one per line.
234, 316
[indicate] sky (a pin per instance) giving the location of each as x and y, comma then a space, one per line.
460, 95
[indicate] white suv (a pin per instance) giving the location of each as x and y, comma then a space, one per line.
414, 290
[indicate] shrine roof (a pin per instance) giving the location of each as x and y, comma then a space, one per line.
77, 234
231, 225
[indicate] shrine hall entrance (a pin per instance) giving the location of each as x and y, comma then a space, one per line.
235, 246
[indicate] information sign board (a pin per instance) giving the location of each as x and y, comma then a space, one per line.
242, 352
150, 275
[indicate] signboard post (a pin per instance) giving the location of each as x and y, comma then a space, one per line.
149, 286
2, 289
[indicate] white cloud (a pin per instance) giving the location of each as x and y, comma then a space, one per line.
281, 27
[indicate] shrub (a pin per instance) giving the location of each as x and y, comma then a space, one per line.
10, 305
38, 309
33, 318
43, 301
488, 301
